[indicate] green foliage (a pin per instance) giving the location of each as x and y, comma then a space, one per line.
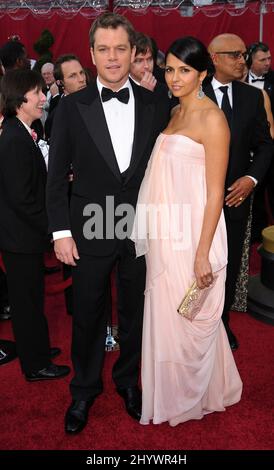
42, 46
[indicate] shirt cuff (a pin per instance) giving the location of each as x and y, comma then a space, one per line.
253, 179
61, 234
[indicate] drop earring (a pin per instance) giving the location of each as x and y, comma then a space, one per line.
200, 93
169, 94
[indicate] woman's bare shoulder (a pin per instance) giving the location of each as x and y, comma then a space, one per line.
212, 115
174, 110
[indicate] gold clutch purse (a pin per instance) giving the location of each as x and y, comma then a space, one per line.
193, 300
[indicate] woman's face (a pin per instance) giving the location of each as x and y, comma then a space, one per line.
181, 79
33, 108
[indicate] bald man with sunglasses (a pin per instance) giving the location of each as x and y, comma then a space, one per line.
243, 107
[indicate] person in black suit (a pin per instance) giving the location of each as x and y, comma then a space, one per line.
261, 76
4, 300
23, 223
260, 73
106, 132
244, 109
69, 77
142, 69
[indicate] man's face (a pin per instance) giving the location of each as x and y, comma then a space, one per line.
141, 64
112, 55
228, 60
47, 74
74, 76
261, 62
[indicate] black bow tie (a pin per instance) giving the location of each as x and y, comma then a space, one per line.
257, 80
122, 95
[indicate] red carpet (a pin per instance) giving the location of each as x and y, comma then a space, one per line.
32, 414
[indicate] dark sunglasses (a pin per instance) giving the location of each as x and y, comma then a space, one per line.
235, 54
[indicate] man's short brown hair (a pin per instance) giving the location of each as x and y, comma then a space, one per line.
57, 71
143, 43
111, 20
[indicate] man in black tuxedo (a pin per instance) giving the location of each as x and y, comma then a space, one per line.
70, 77
261, 76
107, 132
244, 109
142, 68
260, 73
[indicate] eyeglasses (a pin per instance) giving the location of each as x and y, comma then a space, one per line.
235, 54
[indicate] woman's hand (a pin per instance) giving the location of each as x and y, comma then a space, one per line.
203, 272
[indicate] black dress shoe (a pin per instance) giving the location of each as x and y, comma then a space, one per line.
231, 338
51, 269
54, 352
5, 313
48, 373
133, 401
7, 351
77, 416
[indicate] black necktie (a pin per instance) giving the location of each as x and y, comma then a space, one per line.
226, 104
257, 80
122, 95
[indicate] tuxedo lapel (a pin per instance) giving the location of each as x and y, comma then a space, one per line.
238, 104
144, 113
208, 89
19, 126
94, 118
268, 87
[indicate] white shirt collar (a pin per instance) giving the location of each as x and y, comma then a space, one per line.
133, 79
216, 84
126, 85
253, 75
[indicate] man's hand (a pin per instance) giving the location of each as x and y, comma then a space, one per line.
239, 191
66, 250
148, 81
54, 90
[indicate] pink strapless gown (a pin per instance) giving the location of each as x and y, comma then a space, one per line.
188, 369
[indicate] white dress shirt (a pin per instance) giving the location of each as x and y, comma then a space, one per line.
259, 84
42, 144
219, 96
120, 119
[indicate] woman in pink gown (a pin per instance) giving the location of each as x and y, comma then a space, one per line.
188, 369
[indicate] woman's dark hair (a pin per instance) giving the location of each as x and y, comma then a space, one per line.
10, 52
192, 52
14, 85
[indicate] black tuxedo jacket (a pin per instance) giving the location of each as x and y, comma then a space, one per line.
249, 133
80, 137
49, 121
23, 221
268, 86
